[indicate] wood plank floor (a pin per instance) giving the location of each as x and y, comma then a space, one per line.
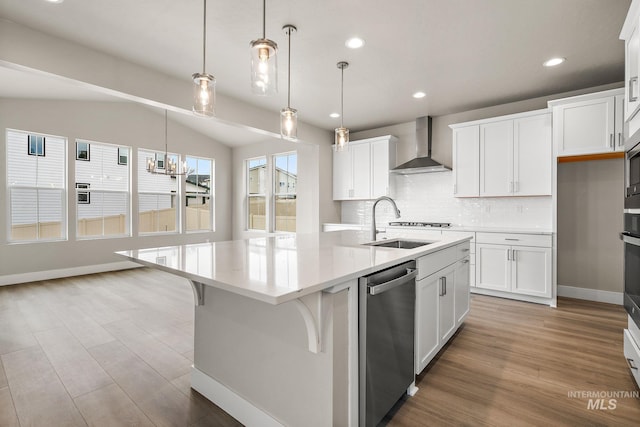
115, 349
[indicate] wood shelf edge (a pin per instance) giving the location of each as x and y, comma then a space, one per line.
589, 157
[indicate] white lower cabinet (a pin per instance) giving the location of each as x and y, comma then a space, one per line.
514, 264
442, 300
427, 318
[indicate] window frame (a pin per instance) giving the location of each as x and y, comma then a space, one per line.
250, 195
64, 216
275, 193
210, 195
101, 193
177, 193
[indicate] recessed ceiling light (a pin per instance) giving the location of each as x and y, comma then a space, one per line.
334, 115
54, 1
553, 62
419, 95
354, 43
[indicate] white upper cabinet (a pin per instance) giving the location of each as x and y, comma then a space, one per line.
631, 35
504, 156
466, 161
589, 124
532, 155
496, 158
361, 170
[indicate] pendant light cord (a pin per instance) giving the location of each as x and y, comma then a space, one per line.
289, 72
264, 19
204, 38
342, 97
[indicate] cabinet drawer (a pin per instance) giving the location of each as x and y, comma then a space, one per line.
436, 261
463, 250
515, 239
632, 354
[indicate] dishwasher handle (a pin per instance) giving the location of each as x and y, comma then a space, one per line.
383, 287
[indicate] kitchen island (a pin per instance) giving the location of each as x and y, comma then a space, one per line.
276, 320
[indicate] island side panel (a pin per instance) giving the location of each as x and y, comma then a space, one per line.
260, 352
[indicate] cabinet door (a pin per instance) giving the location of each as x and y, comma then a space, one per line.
462, 283
493, 267
632, 61
532, 156
585, 127
496, 158
342, 174
531, 271
619, 123
361, 167
466, 155
446, 309
427, 333
380, 168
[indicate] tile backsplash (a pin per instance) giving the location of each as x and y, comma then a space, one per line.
429, 197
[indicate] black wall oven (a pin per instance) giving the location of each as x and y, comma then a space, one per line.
631, 238
631, 234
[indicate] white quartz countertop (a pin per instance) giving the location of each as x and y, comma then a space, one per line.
281, 268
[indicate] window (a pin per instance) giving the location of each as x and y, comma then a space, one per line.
285, 180
157, 196
83, 196
36, 187
102, 192
35, 144
256, 193
123, 156
198, 200
82, 151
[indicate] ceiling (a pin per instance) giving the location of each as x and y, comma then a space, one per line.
465, 54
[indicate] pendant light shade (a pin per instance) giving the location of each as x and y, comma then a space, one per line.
264, 62
342, 133
289, 116
204, 85
204, 94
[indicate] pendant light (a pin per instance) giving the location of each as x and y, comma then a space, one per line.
204, 85
264, 61
342, 133
289, 116
166, 165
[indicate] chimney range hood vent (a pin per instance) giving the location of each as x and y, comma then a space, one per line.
423, 163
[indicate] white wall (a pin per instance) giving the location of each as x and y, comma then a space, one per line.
115, 123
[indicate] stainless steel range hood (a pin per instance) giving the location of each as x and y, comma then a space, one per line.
423, 163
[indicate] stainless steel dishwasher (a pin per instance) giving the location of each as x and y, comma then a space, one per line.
386, 339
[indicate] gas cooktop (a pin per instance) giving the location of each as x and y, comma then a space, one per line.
421, 224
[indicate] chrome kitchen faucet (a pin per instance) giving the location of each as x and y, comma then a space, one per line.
374, 232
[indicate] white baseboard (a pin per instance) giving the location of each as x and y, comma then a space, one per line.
236, 406
14, 279
590, 294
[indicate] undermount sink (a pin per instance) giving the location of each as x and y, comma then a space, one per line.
400, 244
